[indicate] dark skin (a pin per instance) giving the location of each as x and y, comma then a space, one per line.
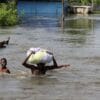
41, 68
3, 43
3, 68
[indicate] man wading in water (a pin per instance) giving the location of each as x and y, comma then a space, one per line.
41, 68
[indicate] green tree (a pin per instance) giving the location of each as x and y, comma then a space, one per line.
8, 14
83, 2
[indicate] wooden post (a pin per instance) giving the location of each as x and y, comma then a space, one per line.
62, 19
63, 10
92, 5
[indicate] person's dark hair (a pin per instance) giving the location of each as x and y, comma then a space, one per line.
41, 64
4, 59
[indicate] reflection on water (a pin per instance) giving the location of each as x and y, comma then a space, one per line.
78, 29
81, 23
77, 44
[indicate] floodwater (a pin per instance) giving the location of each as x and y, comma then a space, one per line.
77, 44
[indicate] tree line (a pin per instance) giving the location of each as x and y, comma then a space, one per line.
83, 2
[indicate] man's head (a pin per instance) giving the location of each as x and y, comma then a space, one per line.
3, 62
41, 65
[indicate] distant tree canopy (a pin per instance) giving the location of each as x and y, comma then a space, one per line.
7, 1
83, 2
4, 1
43, 0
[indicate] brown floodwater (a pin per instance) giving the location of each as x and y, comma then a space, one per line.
77, 44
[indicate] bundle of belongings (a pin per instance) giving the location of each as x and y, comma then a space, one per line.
39, 55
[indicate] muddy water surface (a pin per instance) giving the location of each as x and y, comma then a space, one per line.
78, 44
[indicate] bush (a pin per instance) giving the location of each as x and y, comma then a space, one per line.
83, 2
8, 14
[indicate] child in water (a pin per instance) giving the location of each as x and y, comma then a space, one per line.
3, 68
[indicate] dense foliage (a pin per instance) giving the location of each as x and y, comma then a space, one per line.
8, 14
83, 2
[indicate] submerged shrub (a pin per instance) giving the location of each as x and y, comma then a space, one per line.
8, 14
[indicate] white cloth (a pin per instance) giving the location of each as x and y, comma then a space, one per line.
33, 50
47, 58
